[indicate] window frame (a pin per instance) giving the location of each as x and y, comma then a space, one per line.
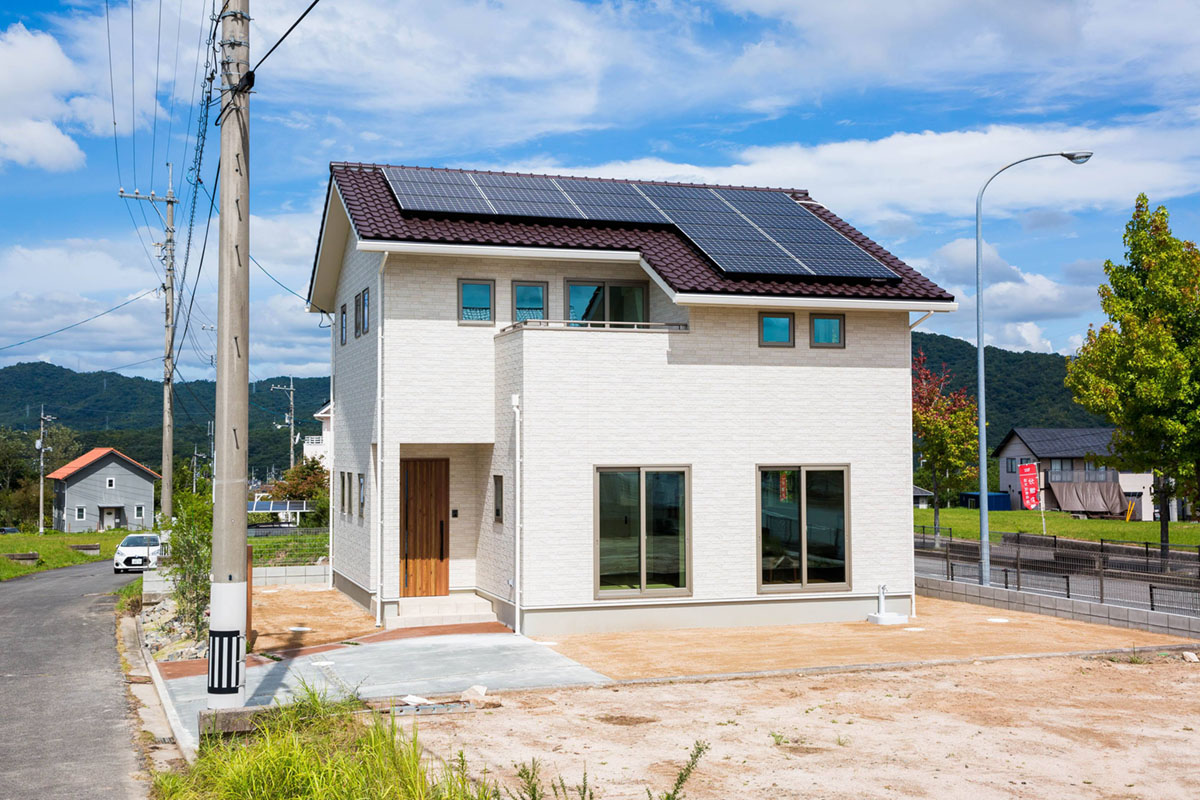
362, 495
812, 331
366, 310
498, 498
358, 315
604, 285
803, 587
479, 323
110, 483
80, 513
342, 492
139, 512
343, 325
1010, 465
791, 340
545, 286
627, 594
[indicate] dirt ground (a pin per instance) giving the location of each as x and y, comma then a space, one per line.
944, 629
329, 614
1028, 728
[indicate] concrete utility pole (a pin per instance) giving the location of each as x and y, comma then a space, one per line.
195, 454
168, 408
227, 622
291, 419
41, 448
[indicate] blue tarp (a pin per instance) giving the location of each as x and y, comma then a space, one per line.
997, 501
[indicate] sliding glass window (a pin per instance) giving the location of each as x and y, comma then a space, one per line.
605, 301
803, 516
642, 531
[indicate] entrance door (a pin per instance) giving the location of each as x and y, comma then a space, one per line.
110, 518
424, 519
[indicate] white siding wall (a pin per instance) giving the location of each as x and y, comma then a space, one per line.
712, 400
354, 366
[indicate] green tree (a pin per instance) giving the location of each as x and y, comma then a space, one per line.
309, 481
189, 558
944, 432
1141, 369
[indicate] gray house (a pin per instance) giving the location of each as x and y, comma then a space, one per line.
103, 489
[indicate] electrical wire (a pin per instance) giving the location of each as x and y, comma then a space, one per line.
286, 34
134, 364
77, 324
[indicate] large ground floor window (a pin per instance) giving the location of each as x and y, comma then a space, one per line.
642, 531
803, 516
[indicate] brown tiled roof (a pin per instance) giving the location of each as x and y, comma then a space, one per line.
90, 457
375, 214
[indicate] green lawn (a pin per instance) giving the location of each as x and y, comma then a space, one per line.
53, 549
965, 524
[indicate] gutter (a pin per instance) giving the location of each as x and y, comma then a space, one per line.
377, 490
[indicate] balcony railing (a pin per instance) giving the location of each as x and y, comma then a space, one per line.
584, 325
314, 441
1083, 475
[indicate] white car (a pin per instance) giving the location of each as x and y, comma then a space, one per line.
137, 552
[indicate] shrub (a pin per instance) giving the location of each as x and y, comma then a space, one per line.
189, 559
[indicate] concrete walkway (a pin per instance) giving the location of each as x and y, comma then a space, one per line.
427, 665
65, 730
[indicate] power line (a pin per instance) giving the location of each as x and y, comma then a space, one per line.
154, 100
286, 34
272, 277
134, 364
77, 324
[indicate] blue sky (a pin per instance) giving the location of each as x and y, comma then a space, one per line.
892, 114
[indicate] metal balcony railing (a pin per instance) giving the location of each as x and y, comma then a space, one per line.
584, 325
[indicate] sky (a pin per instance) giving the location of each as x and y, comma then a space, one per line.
891, 114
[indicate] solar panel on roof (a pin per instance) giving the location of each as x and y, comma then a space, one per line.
749, 231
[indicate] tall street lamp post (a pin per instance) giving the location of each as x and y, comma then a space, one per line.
985, 556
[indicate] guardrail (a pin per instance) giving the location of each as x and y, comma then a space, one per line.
1128, 574
288, 547
584, 325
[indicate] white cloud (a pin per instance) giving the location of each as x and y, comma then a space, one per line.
1020, 336
39, 78
85, 265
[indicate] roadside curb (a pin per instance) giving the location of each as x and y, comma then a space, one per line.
183, 737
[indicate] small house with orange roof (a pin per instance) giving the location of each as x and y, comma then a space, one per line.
101, 490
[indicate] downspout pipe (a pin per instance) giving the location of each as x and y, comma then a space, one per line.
377, 488
517, 532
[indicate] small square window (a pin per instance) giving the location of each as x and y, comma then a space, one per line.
343, 323
476, 302
139, 512
80, 513
498, 497
776, 329
529, 300
366, 310
110, 483
827, 330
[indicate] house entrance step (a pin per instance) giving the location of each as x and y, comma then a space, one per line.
453, 609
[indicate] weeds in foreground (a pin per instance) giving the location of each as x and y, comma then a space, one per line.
330, 749
129, 598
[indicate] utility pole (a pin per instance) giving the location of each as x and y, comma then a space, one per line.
168, 406
195, 454
41, 448
291, 419
227, 624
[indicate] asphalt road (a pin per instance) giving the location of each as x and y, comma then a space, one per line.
64, 725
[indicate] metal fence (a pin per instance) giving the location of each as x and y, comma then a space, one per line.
1134, 574
288, 547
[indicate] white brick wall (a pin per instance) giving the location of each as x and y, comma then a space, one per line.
354, 383
712, 400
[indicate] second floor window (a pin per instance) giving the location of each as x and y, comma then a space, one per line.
366, 310
476, 301
606, 301
776, 329
358, 315
827, 330
529, 300
343, 324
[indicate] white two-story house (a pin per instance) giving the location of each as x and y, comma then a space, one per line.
585, 405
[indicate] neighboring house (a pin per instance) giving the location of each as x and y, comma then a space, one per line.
590, 425
922, 497
1071, 480
318, 447
103, 489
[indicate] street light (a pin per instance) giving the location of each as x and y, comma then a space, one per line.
985, 556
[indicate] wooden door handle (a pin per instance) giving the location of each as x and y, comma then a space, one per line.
442, 538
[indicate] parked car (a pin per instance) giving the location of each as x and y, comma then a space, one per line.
9, 530
137, 552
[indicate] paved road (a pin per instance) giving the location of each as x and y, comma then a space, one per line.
64, 729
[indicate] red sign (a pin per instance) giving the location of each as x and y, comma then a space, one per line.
1029, 485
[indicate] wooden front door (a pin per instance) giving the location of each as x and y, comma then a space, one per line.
424, 526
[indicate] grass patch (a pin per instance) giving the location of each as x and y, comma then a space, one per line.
329, 750
52, 547
129, 597
965, 524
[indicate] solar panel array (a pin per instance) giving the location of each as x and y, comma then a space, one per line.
744, 231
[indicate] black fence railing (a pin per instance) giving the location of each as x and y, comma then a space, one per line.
1122, 573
